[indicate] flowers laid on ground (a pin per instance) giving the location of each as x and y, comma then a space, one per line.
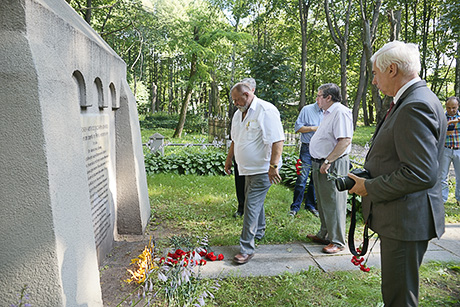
198, 256
173, 277
145, 263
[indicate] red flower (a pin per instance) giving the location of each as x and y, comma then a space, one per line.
162, 260
298, 166
211, 256
220, 257
202, 262
364, 268
173, 256
202, 253
180, 253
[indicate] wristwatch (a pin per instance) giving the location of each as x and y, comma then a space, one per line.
327, 162
275, 166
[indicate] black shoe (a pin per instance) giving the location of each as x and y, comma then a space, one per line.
314, 212
237, 214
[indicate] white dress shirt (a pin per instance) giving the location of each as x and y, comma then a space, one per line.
337, 123
254, 135
404, 88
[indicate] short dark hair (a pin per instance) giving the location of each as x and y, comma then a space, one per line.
331, 89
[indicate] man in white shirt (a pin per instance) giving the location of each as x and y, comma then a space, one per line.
258, 139
329, 148
239, 179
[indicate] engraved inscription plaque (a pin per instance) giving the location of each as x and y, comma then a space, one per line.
95, 134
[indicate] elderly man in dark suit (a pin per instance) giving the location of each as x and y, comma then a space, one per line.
402, 201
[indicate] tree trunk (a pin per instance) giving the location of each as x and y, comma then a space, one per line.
170, 82
364, 105
362, 86
394, 17
303, 13
341, 39
425, 29
188, 92
88, 11
153, 100
457, 71
231, 107
188, 96
214, 96
369, 30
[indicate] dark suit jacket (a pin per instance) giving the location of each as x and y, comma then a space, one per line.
404, 199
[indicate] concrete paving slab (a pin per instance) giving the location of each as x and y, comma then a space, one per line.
450, 240
269, 260
440, 255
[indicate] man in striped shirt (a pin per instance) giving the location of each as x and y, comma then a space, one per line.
451, 148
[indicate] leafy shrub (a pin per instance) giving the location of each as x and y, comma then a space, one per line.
288, 170
193, 122
208, 163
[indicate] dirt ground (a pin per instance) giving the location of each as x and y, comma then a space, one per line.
113, 271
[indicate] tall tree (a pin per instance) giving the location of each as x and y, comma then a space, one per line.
368, 38
207, 30
304, 8
341, 39
188, 91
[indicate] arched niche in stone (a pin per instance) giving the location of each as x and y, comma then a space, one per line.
99, 93
81, 89
113, 97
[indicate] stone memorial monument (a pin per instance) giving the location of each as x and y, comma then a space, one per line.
72, 173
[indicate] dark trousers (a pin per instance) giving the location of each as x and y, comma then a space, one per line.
239, 185
301, 182
400, 262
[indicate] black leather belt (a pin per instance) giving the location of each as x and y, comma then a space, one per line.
321, 161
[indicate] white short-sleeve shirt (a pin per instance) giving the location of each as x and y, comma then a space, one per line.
254, 135
337, 123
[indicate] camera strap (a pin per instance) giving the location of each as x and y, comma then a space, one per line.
351, 233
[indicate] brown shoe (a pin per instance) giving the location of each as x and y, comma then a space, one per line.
242, 258
332, 249
318, 240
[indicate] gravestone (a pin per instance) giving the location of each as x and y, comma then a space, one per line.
72, 174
